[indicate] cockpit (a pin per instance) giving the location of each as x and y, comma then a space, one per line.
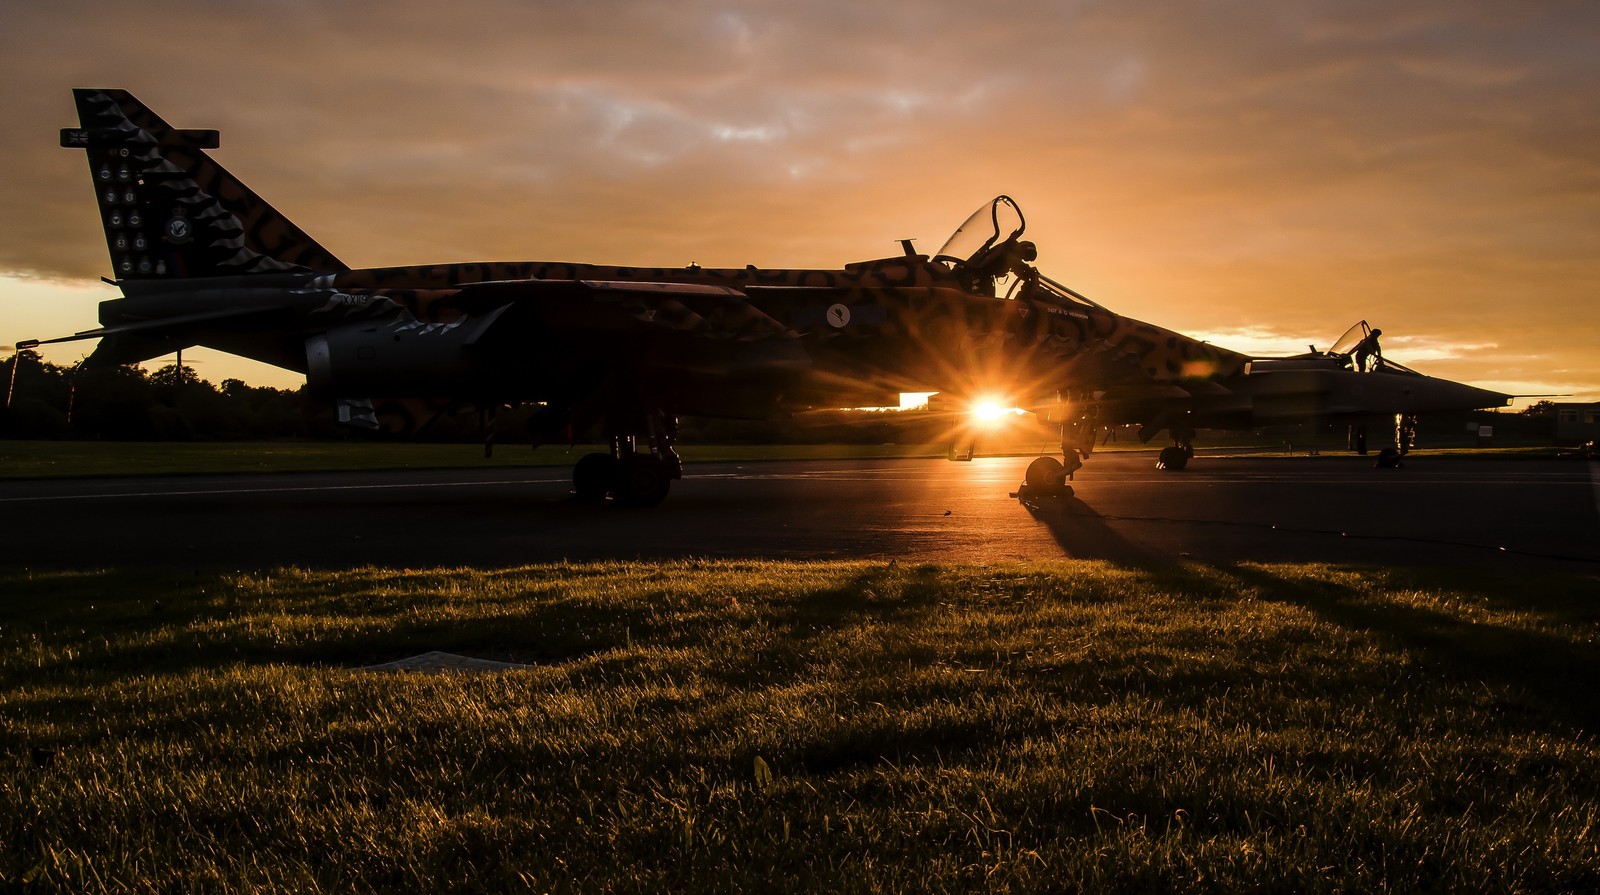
1359, 350
989, 248
990, 257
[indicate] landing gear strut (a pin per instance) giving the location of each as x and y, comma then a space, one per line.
1405, 432
1356, 438
1405, 437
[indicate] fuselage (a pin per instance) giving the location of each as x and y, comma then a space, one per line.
730, 341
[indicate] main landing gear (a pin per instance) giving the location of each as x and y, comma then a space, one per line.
633, 474
1175, 457
1178, 455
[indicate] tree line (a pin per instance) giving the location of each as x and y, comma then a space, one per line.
129, 403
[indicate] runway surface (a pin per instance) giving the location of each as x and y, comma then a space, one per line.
1497, 513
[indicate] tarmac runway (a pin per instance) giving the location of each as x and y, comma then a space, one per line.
1433, 512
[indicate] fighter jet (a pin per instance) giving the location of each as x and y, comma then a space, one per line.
200, 259
1349, 384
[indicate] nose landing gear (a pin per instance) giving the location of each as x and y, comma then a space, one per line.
1046, 477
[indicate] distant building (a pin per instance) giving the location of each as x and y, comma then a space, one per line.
1577, 422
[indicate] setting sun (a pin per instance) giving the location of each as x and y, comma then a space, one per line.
989, 412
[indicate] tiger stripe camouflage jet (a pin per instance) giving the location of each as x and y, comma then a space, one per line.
202, 260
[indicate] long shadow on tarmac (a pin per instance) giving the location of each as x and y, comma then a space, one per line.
1083, 534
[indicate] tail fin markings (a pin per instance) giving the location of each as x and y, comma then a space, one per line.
169, 211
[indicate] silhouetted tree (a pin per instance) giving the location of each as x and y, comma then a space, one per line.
113, 404
37, 396
126, 403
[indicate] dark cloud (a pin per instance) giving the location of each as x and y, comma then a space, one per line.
1296, 163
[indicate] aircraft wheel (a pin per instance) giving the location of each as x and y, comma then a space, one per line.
1388, 458
642, 481
592, 476
1045, 472
1173, 458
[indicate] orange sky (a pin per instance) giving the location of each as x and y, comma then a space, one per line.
1259, 174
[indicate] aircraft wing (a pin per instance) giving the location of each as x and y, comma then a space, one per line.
716, 312
742, 350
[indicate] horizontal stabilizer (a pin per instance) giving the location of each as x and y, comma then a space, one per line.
128, 343
150, 327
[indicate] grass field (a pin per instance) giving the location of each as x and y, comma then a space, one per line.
858, 727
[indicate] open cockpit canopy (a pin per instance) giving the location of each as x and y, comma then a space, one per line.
1351, 338
998, 222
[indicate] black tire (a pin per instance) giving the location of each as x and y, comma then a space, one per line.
1172, 458
642, 481
1045, 472
594, 475
1388, 458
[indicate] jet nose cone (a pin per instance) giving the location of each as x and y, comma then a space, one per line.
1415, 393
1447, 395
1483, 397
1493, 398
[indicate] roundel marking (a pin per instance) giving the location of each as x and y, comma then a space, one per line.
838, 315
178, 230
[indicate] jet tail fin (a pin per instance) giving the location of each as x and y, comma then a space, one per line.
170, 211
